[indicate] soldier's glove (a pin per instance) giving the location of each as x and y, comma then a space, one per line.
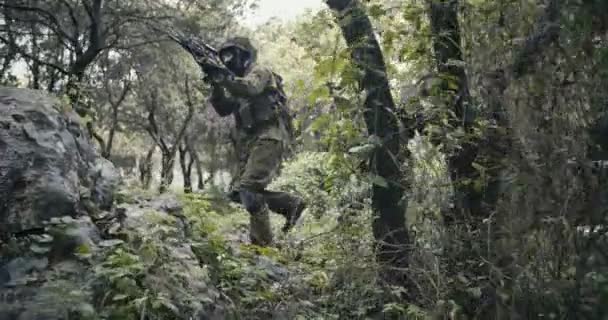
213, 73
211, 79
217, 77
212, 76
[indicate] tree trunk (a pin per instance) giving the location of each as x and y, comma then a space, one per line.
145, 169
11, 44
168, 151
388, 201
107, 151
35, 67
199, 172
446, 46
189, 173
196, 162
186, 166
54, 75
166, 171
74, 92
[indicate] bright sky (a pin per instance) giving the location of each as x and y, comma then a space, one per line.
283, 9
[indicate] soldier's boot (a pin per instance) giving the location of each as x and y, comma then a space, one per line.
260, 230
289, 206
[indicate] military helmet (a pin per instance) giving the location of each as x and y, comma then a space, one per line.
242, 43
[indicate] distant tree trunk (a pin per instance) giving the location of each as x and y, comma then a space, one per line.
53, 77
211, 177
114, 121
188, 183
54, 74
35, 67
199, 172
196, 161
145, 169
388, 201
93, 134
166, 171
168, 150
107, 149
214, 164
10, 43
186, 163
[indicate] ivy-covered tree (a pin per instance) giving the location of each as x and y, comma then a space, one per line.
388, 199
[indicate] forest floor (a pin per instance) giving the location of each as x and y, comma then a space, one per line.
289, 280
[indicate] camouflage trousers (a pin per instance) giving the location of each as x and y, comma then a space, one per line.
259, 162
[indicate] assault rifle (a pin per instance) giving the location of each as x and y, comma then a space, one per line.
207, 57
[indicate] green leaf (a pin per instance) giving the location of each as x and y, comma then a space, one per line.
35, 248
479, 167
318, 94
120, 297
475, 292
463, 279
393, 308
43, 239
379, 181
456, 63
376, 11
364, 149
110, 243
83, 249
453, 85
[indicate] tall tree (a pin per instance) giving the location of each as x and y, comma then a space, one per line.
388, 199
447, 53
111, 90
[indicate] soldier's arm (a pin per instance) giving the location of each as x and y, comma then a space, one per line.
223, 105
250, 85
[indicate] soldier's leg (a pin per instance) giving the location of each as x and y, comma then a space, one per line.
287, 205
241, 149
260, 231
261, 165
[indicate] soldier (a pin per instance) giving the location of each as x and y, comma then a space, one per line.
262, 134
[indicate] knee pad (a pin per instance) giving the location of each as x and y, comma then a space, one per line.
253, 201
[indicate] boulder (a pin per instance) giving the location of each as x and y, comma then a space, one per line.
68, 270
47, 163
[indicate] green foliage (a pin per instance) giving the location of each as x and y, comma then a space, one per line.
323, 181
124, 274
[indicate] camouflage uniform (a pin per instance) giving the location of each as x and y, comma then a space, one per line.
261, 137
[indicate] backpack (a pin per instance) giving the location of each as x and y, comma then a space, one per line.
283, 108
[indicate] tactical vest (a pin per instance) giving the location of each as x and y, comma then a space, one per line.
265, 109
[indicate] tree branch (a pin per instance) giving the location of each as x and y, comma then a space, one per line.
154, 132
26, 55
96, 39
54, 25
75, 22
190, 104
96, 136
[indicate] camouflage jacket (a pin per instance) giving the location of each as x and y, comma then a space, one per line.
250, 91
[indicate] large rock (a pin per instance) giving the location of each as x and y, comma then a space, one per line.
47, 164
68, 271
